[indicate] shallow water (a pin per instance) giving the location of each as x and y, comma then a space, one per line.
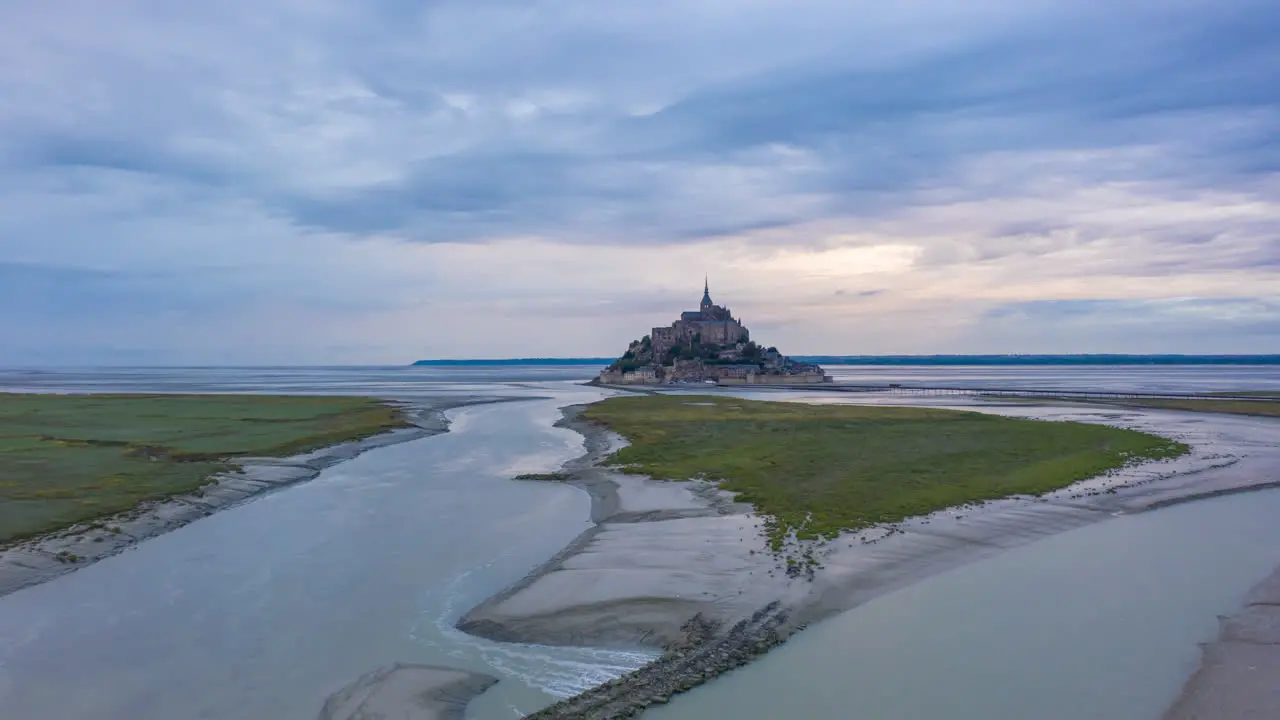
1115, 378
399, 380
372, 380
262, 610
1099, 622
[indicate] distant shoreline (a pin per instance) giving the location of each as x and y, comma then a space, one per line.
915, 360
513, 361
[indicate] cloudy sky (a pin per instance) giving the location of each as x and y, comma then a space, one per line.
325, 181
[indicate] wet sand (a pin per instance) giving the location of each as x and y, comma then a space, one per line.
407, 692
659, 553
680, 566
663, 553
1239, 675
36, 560
268, 608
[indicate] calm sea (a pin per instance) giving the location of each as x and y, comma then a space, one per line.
400, 380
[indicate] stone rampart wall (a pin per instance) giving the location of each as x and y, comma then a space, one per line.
802, 379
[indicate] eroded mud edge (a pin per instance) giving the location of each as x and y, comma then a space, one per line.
45, 557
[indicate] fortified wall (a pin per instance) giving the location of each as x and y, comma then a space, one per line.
808, 378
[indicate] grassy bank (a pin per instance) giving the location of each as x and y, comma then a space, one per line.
1263, 408
824, 468
70, 458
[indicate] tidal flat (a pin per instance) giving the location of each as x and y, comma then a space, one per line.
66, 459
680, 565
340, 576
1262, 407
819, 470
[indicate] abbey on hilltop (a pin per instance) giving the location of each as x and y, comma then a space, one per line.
707, 344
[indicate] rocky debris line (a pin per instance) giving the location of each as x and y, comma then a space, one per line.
701, 655
545, 477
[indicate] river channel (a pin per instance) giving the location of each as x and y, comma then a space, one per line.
262, 610
1101, 622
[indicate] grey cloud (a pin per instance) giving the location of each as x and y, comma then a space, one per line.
879, 132
1225, 309
483, 188
85, 151
617, 123
53, 293
879, 129
1220, 325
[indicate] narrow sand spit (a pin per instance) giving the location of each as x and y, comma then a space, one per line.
36, 560
407, 692
660, 553
681, 567
1239, 675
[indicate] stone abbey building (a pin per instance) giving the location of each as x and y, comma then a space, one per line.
707, 344
710, 324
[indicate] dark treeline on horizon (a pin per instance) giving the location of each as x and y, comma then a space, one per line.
1095, 359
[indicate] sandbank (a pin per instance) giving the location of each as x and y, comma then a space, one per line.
1239, 675
680, 566
407, 692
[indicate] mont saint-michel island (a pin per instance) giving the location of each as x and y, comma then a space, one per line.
706, 345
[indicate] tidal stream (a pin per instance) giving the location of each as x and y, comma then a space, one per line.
1101, 622
262, 610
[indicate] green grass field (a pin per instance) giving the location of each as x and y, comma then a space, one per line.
1262, 408
70, 458
1233, 407
820, 469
